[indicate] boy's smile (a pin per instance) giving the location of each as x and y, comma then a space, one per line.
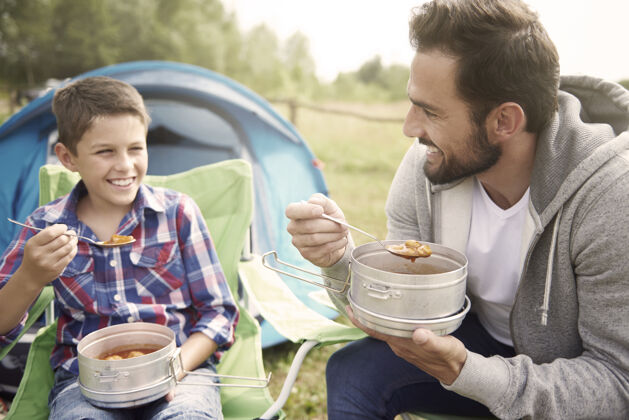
112, 161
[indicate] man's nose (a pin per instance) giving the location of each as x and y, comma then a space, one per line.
413, 125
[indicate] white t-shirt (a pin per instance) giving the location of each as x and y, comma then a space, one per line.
493, 253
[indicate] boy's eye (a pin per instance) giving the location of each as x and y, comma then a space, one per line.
101, 151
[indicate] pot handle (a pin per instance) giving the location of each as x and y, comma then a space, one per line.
176, 366
332, 289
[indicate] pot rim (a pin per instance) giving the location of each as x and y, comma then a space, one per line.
460, 314
120, 330
439, 250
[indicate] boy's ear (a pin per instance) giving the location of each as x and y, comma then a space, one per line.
506, 120
65, 157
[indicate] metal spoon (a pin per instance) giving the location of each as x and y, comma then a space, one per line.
84, 238
340, 222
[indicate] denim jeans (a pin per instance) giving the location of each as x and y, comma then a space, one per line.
190, 402
366, 380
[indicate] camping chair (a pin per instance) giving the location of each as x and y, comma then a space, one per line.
223, 191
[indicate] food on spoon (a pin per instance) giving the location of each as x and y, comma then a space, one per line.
411, 249
119, 240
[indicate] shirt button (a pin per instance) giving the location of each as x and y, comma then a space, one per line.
117, 297
112, 263
130, 319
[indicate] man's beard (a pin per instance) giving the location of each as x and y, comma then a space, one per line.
481, 156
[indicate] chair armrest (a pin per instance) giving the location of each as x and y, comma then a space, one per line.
46, 296
266, 291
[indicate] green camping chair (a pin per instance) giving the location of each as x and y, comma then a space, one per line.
223, 191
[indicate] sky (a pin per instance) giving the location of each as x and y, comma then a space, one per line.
592, 36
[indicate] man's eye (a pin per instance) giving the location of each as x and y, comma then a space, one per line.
429, 114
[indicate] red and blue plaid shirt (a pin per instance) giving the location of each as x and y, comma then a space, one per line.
170, 275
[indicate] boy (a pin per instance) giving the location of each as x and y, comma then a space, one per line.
170, 275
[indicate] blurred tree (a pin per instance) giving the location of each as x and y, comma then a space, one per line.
300, 67
81, 35
625, 83
373, 82
370, 71
42, 39
393, 80
24, 40
261, 61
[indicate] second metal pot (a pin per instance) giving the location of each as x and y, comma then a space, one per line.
427, 288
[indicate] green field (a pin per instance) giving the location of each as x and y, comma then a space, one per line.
360, 160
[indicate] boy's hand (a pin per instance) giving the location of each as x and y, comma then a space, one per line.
48, 253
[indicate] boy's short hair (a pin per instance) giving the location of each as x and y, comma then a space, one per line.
78, 104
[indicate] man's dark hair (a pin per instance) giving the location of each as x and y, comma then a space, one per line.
504, 54
78, 104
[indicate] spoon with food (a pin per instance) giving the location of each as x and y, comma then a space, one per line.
411, 249
115, 240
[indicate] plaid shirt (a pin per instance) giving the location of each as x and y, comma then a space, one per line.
170, 275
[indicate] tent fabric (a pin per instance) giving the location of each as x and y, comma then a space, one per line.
223, 192
198, 117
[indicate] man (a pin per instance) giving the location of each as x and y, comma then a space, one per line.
527, 175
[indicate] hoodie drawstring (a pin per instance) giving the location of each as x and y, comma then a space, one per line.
549, 269
429, 197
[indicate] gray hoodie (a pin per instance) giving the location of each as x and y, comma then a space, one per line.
570, 319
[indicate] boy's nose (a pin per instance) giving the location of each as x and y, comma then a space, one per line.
124, 162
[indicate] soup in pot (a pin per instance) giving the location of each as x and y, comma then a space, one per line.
121, 354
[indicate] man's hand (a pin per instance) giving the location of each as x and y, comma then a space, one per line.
320, 241
440, 357
47, 254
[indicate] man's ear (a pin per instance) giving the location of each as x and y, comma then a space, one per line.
65, 157
505, 121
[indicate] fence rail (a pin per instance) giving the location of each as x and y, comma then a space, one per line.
294, 105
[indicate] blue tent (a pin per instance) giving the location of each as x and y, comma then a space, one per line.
198, 117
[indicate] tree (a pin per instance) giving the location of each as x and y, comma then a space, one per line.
24, 40
370, 71
261, 61
299, 65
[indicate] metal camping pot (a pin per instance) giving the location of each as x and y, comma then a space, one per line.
390, 289
427, 288
138, 380
404, 327
129, 382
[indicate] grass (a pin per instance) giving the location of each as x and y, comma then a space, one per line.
360, 159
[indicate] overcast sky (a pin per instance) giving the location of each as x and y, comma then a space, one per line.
592, 36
